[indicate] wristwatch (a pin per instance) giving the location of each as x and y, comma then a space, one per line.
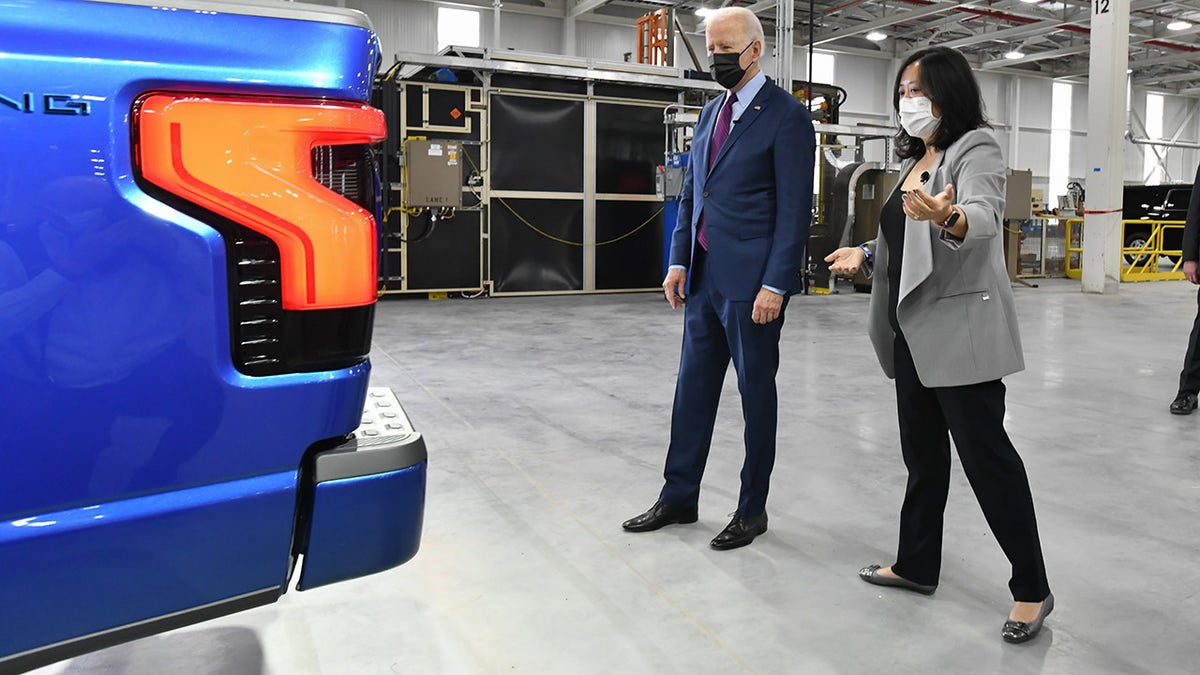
866, 251
950, 220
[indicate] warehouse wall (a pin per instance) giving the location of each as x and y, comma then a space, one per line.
1019, 107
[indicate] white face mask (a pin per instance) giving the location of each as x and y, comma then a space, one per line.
916, 116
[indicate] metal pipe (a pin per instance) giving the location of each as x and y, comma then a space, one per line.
811, 40
495, 25
1192, 145
687, 44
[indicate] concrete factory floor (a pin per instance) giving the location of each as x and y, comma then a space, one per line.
546, 421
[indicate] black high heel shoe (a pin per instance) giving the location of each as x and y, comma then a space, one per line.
1019, 631
870, 574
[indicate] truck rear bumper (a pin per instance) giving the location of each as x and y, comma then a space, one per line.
368, 497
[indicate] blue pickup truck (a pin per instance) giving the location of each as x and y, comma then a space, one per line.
188, 261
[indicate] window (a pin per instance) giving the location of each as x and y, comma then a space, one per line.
822, 71
822, 65
1060, 142
1152, 169
457, 27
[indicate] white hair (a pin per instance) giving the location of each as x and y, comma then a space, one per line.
751, 26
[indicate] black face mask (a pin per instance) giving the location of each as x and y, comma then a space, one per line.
726, 68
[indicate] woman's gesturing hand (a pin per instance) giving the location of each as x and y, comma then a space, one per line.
846, 260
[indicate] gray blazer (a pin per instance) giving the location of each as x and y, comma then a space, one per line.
956, 302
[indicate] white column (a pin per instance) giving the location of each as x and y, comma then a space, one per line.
1105, 161
495, 25
784, 42
1014, 121
568, 42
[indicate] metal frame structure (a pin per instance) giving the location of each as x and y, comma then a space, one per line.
1054, 37
400, 250
486, 65
1147, 257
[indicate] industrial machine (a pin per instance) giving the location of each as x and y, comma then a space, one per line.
556, 161
850, 194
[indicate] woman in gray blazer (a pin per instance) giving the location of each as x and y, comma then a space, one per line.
944, 326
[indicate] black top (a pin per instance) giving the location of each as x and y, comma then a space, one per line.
891, 226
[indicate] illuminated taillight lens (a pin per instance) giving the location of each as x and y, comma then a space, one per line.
251, 161
292, 187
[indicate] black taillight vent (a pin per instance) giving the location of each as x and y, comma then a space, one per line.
257, 304
347, 170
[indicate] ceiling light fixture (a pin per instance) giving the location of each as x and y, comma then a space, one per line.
1014, 54
1030, 2
876, 36
1179, 24
704, 12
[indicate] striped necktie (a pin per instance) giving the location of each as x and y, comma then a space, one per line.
720, 135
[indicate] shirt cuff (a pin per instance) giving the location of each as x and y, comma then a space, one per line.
774, 290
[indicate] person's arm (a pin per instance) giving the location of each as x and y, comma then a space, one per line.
1191, 234
680, 256
1191, 229
849, 259
675, 283
794, 152
978, 178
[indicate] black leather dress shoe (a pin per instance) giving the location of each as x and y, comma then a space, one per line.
659, 515
871, 575
1183, 404
1019, 631
740, 531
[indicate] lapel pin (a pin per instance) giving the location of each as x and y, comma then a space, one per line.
758, 107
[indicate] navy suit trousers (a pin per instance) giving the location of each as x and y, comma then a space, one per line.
716, 331
1189, 377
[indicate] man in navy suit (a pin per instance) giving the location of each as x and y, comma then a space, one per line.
743, 221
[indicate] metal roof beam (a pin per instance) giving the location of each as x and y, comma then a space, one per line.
887, 21
1135, 63
760, 6
1038, 56
1177, 77
577, 7
1009, 34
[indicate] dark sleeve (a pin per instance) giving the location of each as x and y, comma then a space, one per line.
681, 236
794, 152
1191, 230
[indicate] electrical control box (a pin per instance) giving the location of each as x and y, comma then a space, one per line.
433, 173
1018, 198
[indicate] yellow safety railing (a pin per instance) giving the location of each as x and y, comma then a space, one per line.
1145, 258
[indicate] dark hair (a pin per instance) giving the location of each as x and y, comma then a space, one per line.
947, 80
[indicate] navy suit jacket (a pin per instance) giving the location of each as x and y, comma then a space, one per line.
756, 198
1191, 227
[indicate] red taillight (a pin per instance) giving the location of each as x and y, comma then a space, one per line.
251, 161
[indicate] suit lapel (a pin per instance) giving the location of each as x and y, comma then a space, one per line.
918, 250
703, 139
751, 113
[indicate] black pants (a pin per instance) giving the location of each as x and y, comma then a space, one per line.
1189, 379
974, 416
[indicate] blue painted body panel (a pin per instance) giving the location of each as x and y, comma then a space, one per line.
118, 397
363, 524
152, 556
